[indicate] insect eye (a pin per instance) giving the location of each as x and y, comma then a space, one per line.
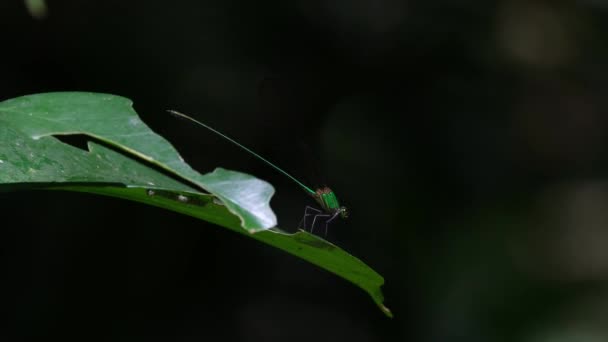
345, 212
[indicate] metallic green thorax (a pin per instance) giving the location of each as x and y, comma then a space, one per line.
329, 202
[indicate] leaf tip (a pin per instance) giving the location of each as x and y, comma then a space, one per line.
386, 310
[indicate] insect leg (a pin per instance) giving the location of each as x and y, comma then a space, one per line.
315, 219
306, 213
331, 219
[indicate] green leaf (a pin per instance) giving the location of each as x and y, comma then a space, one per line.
125, 159
111, 120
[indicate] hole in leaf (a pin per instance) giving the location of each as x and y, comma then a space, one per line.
81, 141
76, 140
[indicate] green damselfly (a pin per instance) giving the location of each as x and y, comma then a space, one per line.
325, 197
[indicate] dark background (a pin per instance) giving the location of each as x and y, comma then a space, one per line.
468, 139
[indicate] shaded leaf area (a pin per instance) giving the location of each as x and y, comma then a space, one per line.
301, 244
130, 161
